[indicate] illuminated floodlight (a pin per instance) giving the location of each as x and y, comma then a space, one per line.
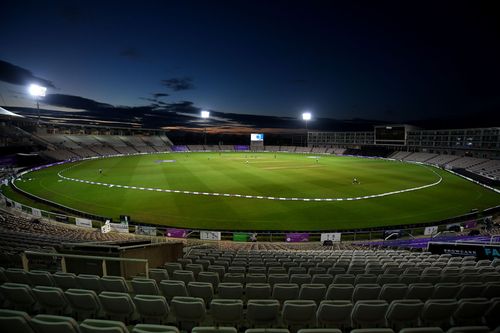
205, 114
37, 90
306, 116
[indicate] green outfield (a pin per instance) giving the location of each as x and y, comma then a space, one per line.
284, 191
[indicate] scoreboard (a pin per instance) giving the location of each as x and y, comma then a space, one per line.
391, 135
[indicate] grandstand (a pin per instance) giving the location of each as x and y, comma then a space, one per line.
358, 286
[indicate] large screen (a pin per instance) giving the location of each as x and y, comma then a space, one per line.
390, 133
256, 137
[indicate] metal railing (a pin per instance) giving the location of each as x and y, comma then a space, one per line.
63, 256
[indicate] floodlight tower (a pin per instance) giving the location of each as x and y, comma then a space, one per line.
306, 116
37, 91
205, 115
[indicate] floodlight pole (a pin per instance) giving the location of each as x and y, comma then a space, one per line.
205, 115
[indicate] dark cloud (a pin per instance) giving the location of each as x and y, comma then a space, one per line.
131, 53
160, 95
179, 84
20, 76
74, 102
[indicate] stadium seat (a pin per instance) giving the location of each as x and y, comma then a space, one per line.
272, 279
195, 268
340, 292
421, 291
152, 308
15, 321
84, 303
172, 288
344, 279
314, 292
212, 329
491, 315
334, 313
101, 326
19, 295
470, 311
469, 329
325, 279
393, 291
267, 330
234, 278
255, 278
227, 311
143, 286
369, 313
365, 292
438, 312
51, 299
422, 330
491, 290
54, 324
387, 278
203, 290
89, 282
365, 278
17, 275
158, 274
319, 330
409, 278
445, 290
257, 290
299, 313
171, 267
65, 280
404, 313
220, 270
114, 284
188, 309
262, 312
230, 290
209, 277
372, 330
470, 290
150, 328
40, 278
117, 306
285, 291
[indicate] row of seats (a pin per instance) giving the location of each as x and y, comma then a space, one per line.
20, 322
122, 306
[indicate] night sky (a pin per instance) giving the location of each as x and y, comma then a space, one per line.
390, 61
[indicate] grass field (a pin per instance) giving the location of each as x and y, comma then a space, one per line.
259, 174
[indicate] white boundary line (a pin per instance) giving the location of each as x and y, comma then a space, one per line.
59, 174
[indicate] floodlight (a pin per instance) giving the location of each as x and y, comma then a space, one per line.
306, 116
37, 90
205, 114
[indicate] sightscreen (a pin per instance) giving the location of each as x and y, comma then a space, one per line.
256, 137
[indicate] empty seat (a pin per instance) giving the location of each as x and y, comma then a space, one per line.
114, 284
234, 278
387, 278
285, 291
340, 292
437, 312
117, 306
365, 278
203, 290
151, 328
445, 290
277, 278
188, 309
54, 324
325, 279
152, 308
84, 303
17, 275
334, 313
227, 311
393, 291
421, 291
409, 278
313, 292
299, 313
41, 278
300, 278
369, 313
213, 329
365, 292
100, 326
230, 290
158, 274
470, 290
491, 289
171, 267
15, 321
19, 295
51, 299
256, 278
422, 330
220, 270
210, 277
195, 268
258, 290
469, 329
142, 286
172, 288
344, 279
470, 311
404, 313
65, 280
262, 312
90, 282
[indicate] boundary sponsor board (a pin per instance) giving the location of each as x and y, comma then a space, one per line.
145, 230
480, 251
83, 222
333, 236
297, 237
431, 230
210, 235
